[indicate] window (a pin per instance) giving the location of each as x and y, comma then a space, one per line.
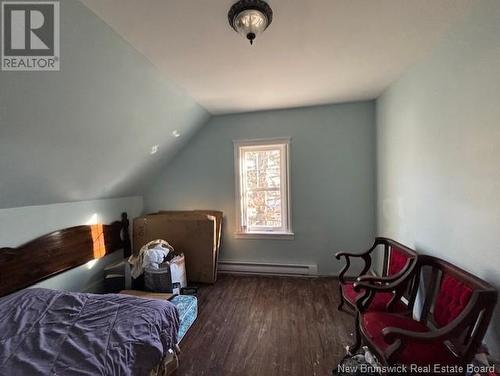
262, 188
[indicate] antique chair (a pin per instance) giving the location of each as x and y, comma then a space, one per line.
398, 260
454, 316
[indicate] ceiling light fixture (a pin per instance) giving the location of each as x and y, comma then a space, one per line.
250, 17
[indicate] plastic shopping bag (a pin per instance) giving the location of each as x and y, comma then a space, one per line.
178, 270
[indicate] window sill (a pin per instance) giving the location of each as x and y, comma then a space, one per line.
265, 235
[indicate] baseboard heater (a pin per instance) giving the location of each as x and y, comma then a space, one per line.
239, 267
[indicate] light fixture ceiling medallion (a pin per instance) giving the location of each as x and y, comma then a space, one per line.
250, 17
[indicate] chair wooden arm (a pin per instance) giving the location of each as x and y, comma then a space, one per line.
338, 255
388, 279
397, 285
391, 334
365, 256
386, 284
375, 279
358, 286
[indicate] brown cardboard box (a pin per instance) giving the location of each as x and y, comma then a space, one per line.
218, 217
215, 215
212, 215
195, 235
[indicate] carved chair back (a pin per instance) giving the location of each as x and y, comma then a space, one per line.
456, 300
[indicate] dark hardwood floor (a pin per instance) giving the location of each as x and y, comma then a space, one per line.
257, 325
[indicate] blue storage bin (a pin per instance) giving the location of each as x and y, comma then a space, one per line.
187, 306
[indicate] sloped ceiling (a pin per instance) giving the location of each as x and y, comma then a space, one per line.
314, 52
86, 132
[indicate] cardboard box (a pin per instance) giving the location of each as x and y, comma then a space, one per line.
193, 234
210, 214
214, 215
218, 217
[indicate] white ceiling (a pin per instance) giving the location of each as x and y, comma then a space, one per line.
314, 52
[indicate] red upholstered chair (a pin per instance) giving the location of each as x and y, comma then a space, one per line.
456, 311
397, 261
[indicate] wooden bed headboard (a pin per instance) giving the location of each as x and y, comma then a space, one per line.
59, 251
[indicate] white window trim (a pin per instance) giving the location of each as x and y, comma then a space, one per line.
240, 233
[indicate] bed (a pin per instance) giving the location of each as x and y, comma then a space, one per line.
50, 332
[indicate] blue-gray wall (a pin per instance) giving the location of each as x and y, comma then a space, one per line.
438, 131
86, 132
332, 181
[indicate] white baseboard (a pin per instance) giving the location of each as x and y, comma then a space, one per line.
266, 268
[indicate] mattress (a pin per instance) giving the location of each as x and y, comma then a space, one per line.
187, 306
48, 332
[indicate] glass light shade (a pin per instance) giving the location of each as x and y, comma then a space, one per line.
250, 23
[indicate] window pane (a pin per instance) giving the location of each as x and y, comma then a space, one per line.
251, 161
264, 209
263, 205
262, 169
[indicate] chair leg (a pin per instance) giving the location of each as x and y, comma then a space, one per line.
341, 304
357, 337
341, 299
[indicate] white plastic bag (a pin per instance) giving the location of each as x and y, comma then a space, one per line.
153, 257
136, 260
178, 270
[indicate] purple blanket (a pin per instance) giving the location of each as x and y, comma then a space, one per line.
48, 332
